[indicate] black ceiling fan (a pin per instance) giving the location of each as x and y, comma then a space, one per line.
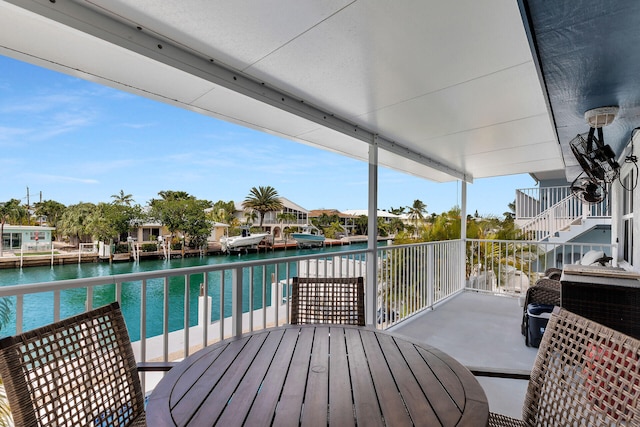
595, 158
588, 189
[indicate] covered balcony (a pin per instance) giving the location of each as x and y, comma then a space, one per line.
446, 91
464, 298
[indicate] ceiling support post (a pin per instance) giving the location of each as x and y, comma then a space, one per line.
371, 284
463, 233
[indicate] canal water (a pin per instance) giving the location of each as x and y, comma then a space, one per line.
38, 308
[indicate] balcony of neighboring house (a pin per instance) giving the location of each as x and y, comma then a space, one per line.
463, 297
555, 214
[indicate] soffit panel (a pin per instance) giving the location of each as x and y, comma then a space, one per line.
374, 55
447, 70
235, 33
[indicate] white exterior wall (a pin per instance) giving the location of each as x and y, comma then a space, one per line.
617, 209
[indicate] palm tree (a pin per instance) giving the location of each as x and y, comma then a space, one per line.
9, 210
250, 216
263, 200
286, 218
417, 212
122, 199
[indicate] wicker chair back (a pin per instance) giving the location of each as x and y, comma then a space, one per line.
584, 373
78, 371
328, 300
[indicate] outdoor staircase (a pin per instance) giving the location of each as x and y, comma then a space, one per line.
581, 226
563, 221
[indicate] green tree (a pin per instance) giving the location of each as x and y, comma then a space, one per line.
74, 222
224, 212
417, 211
113, 220
362, 224
397, 211
263, 200
333, 230
249, 217
51, 210
9, 211
511, 213
122, 199
396, 225
286, 218
182, 214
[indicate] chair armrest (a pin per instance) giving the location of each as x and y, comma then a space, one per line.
155, 366
514, 374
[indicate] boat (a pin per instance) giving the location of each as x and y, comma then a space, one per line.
310, 237
245, 241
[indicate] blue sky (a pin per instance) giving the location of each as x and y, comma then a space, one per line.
75, 140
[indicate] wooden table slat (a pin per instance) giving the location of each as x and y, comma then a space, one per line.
340, 397
393, 409
443, 373
234, 371
446, 409
316, 400
414, 397
290, 405
470, 387
243, 397
367, 408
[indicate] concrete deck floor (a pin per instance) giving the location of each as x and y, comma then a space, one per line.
482, 331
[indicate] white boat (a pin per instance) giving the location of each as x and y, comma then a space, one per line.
310, 237
238, 243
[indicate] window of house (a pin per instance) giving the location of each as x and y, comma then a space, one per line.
150, 234
627, 217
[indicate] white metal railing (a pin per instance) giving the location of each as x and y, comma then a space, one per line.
171, 313
511, 266
414, 277
531, 202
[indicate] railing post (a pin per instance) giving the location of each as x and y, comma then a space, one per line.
236, 302
430, 273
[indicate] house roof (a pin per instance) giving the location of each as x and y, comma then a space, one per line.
318, 212
445, 90
381, 213
285, 202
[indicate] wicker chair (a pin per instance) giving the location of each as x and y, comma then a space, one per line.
78, 371
553, 273
328, 300
584, 374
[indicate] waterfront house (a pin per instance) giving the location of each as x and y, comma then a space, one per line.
347, 221
444, 91
28, 238
149, 232
271, 223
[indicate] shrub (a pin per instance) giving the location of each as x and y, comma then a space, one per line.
121, 248
149, 247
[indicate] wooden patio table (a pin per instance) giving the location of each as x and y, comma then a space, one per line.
318, 375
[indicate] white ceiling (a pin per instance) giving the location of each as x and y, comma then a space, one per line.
450, 89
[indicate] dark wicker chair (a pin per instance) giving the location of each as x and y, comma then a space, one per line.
553, 273
584, 374
327, 300
78, 371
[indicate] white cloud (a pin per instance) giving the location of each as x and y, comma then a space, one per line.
60, 179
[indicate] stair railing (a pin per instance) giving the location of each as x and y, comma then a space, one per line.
561, 215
